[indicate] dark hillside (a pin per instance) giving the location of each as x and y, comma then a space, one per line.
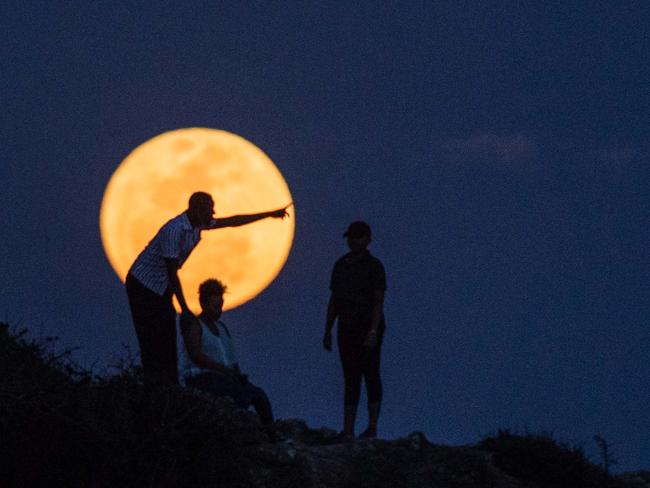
60, 426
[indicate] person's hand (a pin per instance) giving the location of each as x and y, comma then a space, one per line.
327, 341
281, 213
371, 340
187, 317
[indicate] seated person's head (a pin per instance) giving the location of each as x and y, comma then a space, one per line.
211, 298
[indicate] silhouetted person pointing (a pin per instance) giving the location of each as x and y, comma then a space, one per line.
153, 280
357, 301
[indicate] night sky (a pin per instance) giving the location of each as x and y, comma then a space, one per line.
500, 154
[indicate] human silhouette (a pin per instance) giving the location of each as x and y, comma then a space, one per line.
152, 280
210, 362
357, 287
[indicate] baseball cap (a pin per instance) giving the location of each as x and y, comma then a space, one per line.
357, 229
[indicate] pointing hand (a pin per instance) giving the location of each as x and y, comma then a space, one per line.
281, 213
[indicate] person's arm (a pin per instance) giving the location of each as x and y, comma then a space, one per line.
175, 284
378, 278
238, 220
191, 331
377, 310
332, 313
372, 339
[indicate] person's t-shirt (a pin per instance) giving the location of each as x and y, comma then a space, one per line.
218, 348
353, 284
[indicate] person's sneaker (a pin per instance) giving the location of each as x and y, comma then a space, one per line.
343, 437
368, 434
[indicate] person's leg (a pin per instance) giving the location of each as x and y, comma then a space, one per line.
372, 377
214, 383
248, 395
154, 318
167, 361
254, 395
243, 395
349, 353
146, 311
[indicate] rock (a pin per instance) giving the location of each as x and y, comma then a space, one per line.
637, 479
314, 456
416, 440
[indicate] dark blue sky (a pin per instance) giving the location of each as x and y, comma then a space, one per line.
500, 154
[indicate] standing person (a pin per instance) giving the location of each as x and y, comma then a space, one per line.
210, 361
357, 300
153, 280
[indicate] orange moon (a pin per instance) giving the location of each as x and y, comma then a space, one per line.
153, 184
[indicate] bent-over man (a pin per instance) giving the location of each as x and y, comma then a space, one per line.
153, 280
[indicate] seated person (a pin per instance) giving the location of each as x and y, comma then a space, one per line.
210, 362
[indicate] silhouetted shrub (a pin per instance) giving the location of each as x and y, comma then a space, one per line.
542, 462
60, 426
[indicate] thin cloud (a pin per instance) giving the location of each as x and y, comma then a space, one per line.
488, 147
616, 155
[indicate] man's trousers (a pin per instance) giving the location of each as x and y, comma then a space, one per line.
154, 319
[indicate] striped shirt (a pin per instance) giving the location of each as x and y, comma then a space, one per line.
175, 240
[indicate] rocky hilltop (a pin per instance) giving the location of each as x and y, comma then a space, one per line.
317, 459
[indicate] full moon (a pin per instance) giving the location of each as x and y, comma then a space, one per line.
153, 184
